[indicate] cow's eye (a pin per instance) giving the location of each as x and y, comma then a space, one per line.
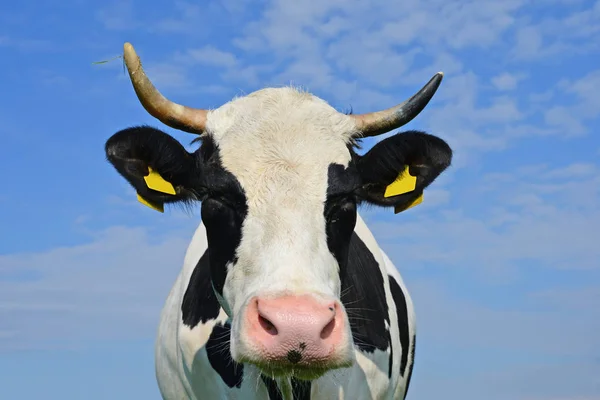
214, 208
340, 207
216, 201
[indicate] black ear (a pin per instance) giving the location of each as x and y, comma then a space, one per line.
131, 151
426, 156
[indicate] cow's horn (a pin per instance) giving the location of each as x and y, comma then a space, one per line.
376, 123
187, 119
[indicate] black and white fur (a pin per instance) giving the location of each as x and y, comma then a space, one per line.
280, 182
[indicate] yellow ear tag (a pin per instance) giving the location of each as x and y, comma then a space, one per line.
403, 184
155, 206
156, 182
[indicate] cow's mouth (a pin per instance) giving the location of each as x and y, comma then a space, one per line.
302, 371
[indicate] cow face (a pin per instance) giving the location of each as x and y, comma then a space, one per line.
279, 183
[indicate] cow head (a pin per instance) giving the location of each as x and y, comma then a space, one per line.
279, 183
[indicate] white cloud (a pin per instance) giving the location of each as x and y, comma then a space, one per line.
189, 19
370, 38
577, 170
112, 286
320, 42
505, 81
209, 55
118, 16
529, 42
570, 33
566, 299
365, 56
561, 117
530, 329
571, 119
168, 75
27, 45
549, 217
584, 88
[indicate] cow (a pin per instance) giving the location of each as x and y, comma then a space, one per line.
284, 292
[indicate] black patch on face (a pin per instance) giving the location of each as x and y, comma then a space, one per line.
402, 312
224, 208
219, 356
301, 389
224, 233
342, 180
272, 388
198, 176
363, 293
340, 211
199, 301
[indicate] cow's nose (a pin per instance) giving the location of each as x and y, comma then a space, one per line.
294, 329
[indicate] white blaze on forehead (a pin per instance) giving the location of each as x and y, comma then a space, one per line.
279, 143
280, 139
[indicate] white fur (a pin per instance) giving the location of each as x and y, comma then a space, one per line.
278, 143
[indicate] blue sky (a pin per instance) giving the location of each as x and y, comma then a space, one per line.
502, 258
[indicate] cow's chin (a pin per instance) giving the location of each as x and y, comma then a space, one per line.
306, 370
305, 373
300, 363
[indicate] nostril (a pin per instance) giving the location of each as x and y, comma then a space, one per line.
267, 325
332, 307
328, 329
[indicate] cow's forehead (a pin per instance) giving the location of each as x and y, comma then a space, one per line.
279, 143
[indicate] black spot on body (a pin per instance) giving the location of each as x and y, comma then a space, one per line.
219, 356
272, 388
363, 295
402, 313
200, 304
412, 364
301, 389
391, 359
